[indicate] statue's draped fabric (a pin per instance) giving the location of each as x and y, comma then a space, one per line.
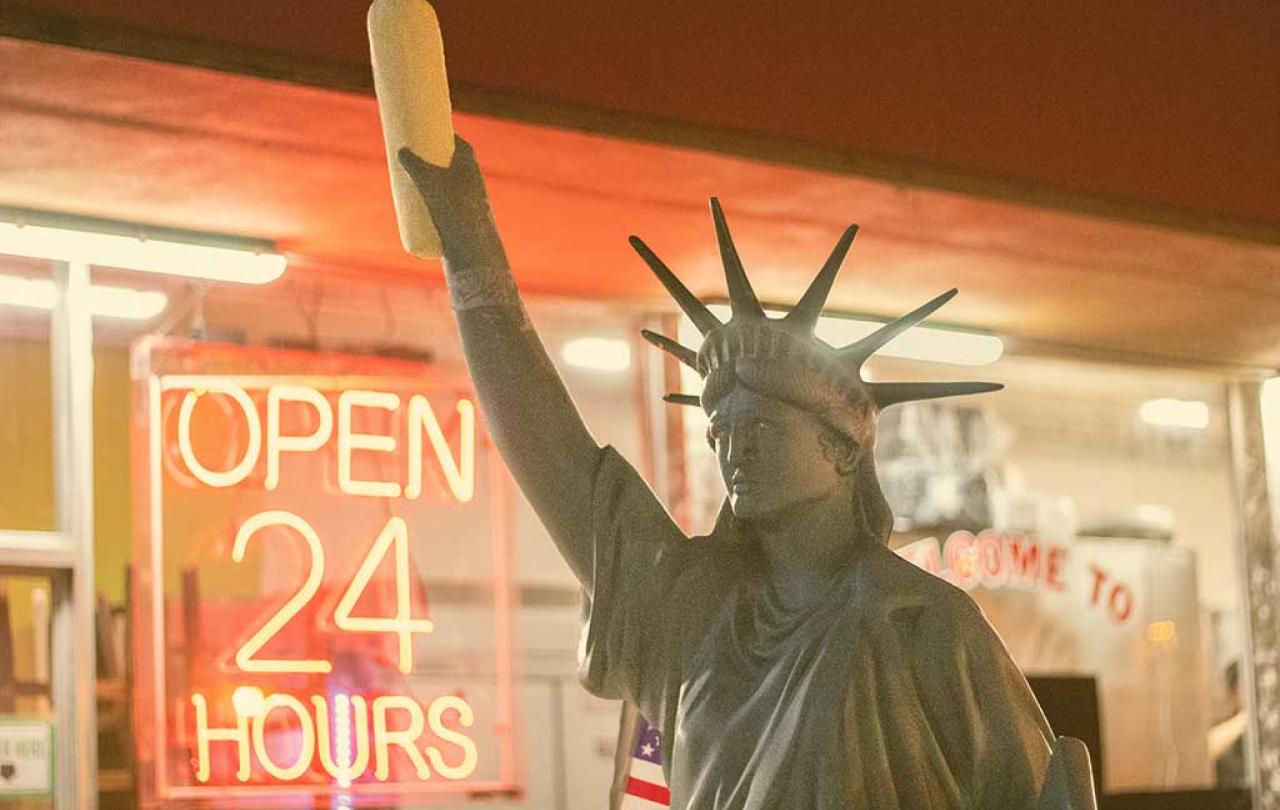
890, 692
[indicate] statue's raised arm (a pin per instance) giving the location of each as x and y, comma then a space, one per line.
532, 419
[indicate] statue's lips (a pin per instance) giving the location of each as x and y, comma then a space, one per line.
743, 484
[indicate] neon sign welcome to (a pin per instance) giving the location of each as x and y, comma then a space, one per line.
322, 589
995, 560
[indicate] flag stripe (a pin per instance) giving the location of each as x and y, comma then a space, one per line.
648, 790
648, 772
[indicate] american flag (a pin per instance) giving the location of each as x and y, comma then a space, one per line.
646, 787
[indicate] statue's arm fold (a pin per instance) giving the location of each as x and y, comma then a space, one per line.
532, 419
1068, 783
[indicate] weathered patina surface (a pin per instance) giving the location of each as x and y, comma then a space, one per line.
789, 658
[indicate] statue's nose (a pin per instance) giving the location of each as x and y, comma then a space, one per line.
741, 445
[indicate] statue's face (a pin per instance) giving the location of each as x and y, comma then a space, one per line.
770, 454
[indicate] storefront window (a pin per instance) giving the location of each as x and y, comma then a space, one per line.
1087, 508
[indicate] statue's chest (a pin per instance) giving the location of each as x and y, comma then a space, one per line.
754, 675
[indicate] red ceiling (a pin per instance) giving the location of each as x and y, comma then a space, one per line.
129, 139
1155, 110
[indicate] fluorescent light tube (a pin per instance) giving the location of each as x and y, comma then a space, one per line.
927, 343
1177, 413
597, 354
108, 302
215, 263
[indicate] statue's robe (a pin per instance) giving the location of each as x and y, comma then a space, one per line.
890, 692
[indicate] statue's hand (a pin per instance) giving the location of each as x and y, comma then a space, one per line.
459, 207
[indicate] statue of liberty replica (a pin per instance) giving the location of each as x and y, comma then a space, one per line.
789, 658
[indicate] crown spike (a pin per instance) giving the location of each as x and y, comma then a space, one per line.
689, 303
742, 299
860, 350
892, 393
683, 399
806, 312
685, 355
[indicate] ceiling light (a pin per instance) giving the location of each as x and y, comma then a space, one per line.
108, 302
149, 255
598, 354
927, 343
1176, 413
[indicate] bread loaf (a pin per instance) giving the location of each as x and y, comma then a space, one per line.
413, 101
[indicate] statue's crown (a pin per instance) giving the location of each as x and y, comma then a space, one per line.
751, 344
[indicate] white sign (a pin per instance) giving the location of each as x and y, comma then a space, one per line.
26, 757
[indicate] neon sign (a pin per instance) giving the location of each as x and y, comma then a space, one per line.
322, 583
990, 559
995, 560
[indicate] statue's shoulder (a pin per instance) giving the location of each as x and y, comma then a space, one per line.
887, 575
896, 590
706, 562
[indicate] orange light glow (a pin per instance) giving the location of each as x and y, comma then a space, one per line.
350, 441
306, 738
1162, 634
460, 474
248, 701
405, 738
245, 465
205, 735
340, 763
435, 719
391, 726
306, 510
394, 534
278, 443
315, 575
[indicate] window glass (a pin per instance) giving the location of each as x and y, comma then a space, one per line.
26, 410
